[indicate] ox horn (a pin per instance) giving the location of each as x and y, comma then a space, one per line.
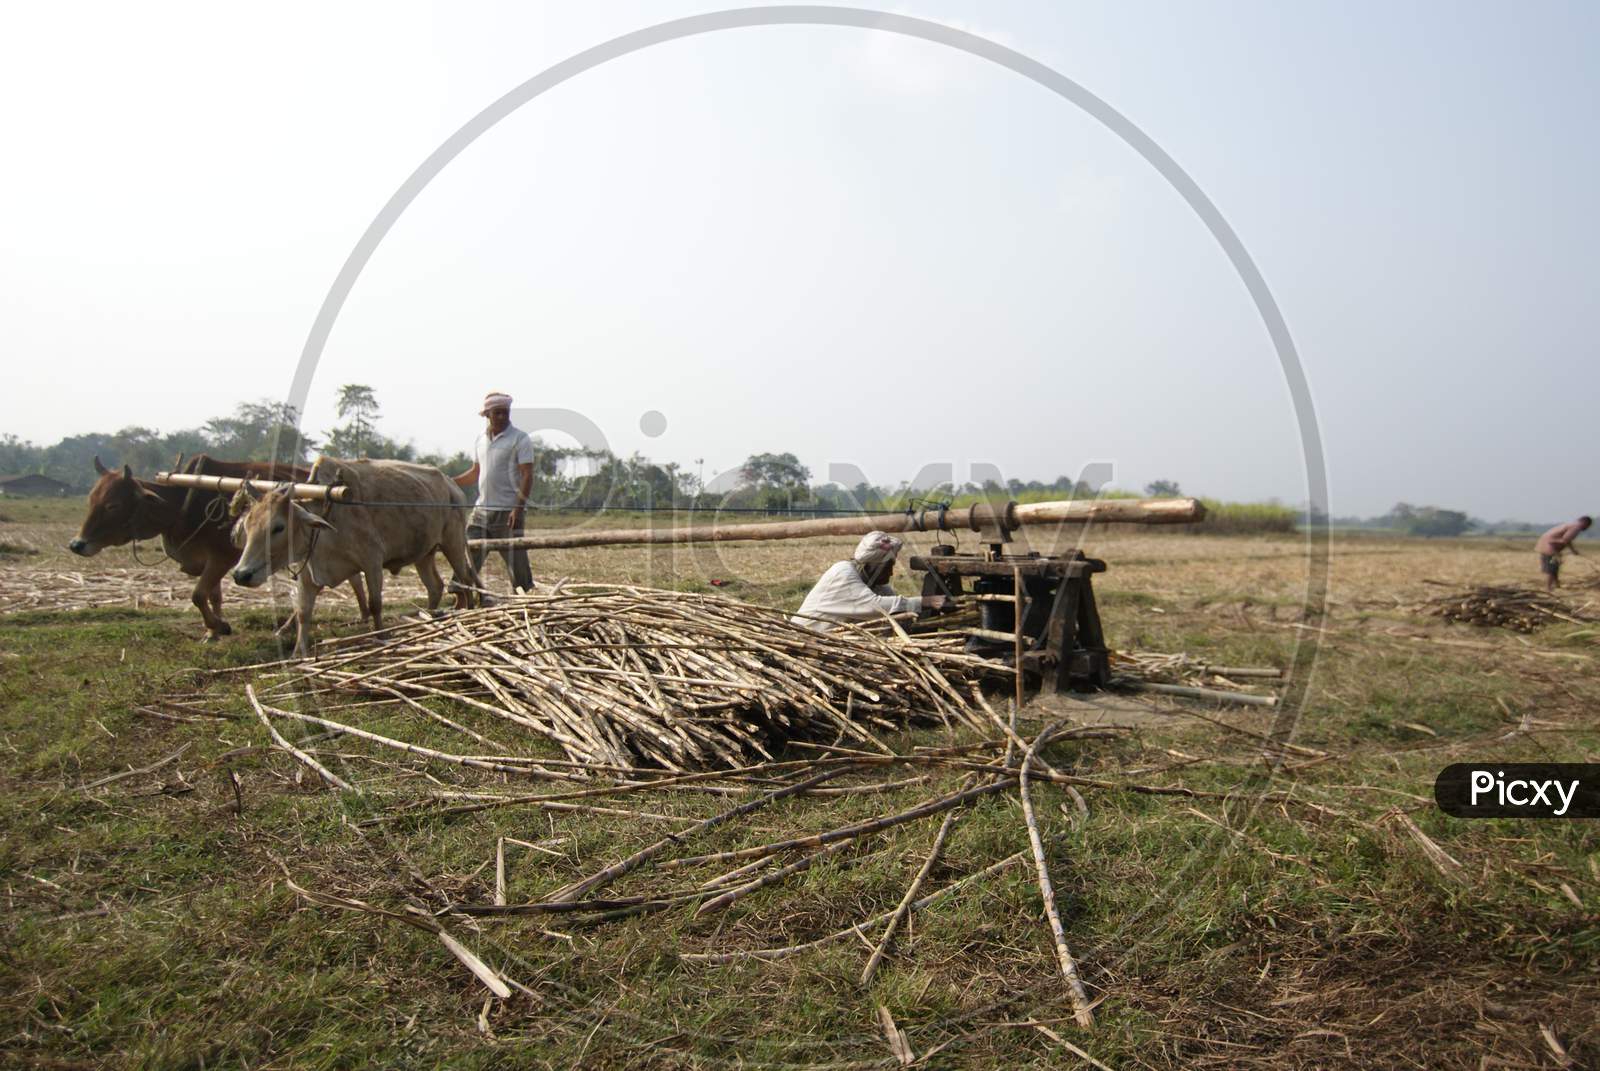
100, 470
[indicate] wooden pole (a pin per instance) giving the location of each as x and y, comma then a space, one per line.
1017, 606
1011, 515
313, 491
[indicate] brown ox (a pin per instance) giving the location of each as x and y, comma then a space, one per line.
414, 510
194, 526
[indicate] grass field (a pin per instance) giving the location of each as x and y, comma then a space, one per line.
149, 923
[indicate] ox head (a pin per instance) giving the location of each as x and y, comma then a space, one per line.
275, 532
121, 509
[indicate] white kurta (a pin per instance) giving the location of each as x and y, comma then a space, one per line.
842, 595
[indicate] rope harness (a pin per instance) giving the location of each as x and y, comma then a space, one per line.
311, 548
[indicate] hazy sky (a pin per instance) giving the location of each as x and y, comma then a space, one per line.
868, 250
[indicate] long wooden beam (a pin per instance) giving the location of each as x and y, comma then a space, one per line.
308, 491
1011, 516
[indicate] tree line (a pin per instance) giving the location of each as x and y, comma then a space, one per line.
574, 477
254, 431
564, 477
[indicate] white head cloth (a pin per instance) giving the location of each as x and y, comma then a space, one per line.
876, 548
494, 400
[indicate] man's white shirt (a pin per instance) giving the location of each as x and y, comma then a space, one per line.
499, 484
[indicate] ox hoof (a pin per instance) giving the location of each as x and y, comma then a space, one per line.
222, 629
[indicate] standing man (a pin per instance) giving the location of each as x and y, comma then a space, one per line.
858, 589
502, 467
1552, 543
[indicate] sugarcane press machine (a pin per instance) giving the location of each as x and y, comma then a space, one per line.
1034, 610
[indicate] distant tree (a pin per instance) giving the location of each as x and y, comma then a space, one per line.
1431, 521
260, 431
145, 449
72, 459
357, 405
460, 461
19, 456
774, 470
186, 441
1163, 489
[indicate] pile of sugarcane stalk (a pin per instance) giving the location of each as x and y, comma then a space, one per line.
621, 677
1516, 608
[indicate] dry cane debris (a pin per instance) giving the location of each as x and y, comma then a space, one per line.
159, 585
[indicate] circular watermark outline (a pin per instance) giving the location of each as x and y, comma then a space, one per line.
1307, 642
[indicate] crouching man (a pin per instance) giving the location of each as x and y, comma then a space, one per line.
1553, 542
858, 589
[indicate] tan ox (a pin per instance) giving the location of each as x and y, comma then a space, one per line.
416, 510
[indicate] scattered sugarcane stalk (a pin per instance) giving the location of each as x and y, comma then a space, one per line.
849, 832
903, 908
1186, 669
1442, 860
717, 903
304, 759
101, 782
644, 855
1081, 1010
855, 929
1245, 698
500, 872
492, 979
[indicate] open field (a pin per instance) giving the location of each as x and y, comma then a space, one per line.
1323, 915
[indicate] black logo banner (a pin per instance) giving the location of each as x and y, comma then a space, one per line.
1519, 790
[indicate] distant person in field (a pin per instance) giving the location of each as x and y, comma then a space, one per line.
1552, 543
858, 589
502, 467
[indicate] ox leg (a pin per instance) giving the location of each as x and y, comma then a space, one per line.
304, 604
375, 594
207, 597
428, 570
454, 545
359, 587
